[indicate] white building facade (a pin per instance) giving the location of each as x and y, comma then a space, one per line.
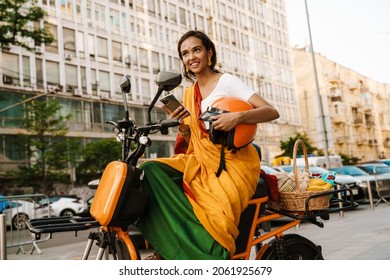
97, 42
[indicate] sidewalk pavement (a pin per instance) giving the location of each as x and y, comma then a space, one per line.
360, 234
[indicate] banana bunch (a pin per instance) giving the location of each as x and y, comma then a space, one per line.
317, 184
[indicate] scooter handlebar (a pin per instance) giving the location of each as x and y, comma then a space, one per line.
169, 123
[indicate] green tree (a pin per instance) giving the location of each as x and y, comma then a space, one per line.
288, 146
20, 22
47, 147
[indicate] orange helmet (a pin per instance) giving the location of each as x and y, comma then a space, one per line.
242, 134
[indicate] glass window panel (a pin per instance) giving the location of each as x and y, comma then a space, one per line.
116, 51
118, 80
144, 59
104, 81
72, 107
182, 14
91, 45
69, 39
26, 71
83, 74
155, 62
80, 42
172, 13
102, 49
10, 66
94, 82
53, 47
13, 115
52, 72
145, 90
14, 148
97, 114
112, 112
114, 20
71, 75
39, 73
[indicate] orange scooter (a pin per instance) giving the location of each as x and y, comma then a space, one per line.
119, 201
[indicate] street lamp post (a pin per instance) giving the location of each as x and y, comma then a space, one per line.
318, 91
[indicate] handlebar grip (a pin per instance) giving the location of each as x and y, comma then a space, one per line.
169, 123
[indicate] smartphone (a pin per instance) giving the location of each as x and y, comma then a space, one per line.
171, 102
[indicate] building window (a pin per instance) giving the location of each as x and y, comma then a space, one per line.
52, 73
12, 116
146, 92
100, 16
14, 148
151, 7
67, 6
72, 107
80, 44
115, 20
83, 76
91, 45
144, 60
172, 13
53, 47
26, 71
102, 49
10, 66
94, 82
71, 77
104, 81
139, 5
155, 62
69, 39
116, 51
117, 83
39, 73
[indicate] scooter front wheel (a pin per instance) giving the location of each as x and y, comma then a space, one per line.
122, 251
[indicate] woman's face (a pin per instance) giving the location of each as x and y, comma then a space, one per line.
194, 55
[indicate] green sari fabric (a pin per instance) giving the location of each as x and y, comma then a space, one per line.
169, 223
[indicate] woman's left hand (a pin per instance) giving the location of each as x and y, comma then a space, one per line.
226, 121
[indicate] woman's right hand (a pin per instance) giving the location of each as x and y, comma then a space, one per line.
179, 114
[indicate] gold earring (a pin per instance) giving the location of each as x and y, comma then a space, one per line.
209, 62
187, 69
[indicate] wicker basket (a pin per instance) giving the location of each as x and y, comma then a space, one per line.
296, 200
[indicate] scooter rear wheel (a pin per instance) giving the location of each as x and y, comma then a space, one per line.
295, 247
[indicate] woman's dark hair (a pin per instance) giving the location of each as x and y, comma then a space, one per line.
209, 45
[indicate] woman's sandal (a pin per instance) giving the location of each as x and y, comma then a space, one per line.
154, 257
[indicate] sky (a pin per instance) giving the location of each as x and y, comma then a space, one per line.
352, 33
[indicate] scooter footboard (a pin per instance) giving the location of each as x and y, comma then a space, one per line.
60, 224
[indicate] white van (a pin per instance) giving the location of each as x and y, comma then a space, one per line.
334, 161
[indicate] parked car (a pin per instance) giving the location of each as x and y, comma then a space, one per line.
374, 168
356, 186
386, 161
380, 181
17, 212
65, 205
380, 173
85, 212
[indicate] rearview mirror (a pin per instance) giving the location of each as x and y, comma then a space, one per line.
168, 80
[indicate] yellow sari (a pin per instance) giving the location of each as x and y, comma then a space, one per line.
217, 201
